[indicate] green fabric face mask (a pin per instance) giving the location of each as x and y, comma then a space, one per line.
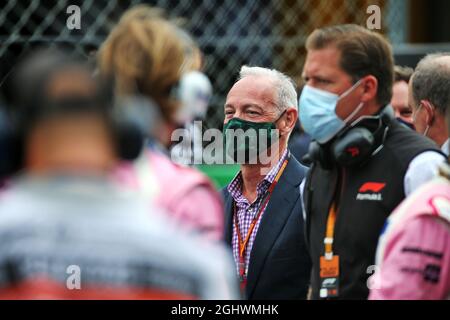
245, 140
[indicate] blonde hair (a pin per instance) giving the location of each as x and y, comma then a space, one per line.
143, 54
193, 60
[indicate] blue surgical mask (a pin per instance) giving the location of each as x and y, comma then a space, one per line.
318, 112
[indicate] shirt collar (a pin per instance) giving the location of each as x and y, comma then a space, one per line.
445, 147
270, 176
235, 186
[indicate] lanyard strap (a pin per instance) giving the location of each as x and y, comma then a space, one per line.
329, 235
243, 243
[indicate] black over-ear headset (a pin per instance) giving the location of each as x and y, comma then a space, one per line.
355, 144
30, 105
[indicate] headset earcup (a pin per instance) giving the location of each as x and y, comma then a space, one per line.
11, 154
353, 147
129, 136
318, 153
129, 140
135, 118
10, 151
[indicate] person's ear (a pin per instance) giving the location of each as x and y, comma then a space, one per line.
370, 88
290, 118
429, 110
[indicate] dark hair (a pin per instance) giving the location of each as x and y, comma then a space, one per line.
33, 99
402, 73
363, 52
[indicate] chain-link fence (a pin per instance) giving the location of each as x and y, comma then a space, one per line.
231, 33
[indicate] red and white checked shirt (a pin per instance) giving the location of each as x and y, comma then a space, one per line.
246, 211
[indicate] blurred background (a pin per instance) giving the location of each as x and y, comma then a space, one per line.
231, 33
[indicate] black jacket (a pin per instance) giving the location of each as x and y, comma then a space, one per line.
279, 262
365, 196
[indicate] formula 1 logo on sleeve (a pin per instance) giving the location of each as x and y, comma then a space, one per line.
371, 191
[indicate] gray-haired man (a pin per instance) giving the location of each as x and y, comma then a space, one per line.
430, 98
264, 224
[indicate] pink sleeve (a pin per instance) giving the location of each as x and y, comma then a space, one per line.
202, 211
416, 265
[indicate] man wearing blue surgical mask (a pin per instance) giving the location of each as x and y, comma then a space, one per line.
364, 162
263, 215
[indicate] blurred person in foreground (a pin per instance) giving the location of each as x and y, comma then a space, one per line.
145, 54
430, 98
263, 214
399, 101
413, 255
364, 162
67, 232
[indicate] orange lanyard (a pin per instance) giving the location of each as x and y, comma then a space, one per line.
329, 235
243, 243
331, 222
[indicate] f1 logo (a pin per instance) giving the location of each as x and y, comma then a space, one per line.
354, 151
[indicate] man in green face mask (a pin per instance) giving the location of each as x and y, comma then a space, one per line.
263, 214
247, 142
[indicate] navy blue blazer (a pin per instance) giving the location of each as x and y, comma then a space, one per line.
280, 265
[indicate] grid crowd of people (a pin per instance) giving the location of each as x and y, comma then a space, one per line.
342, 192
